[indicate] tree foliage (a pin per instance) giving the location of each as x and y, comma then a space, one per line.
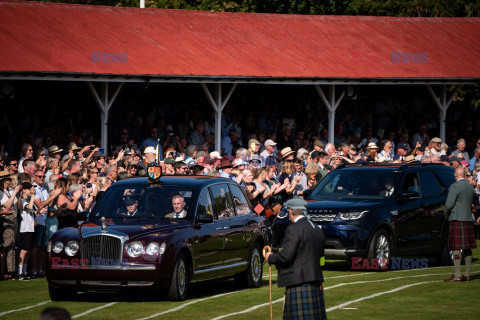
398, 8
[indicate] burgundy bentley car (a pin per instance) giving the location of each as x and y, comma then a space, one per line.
159, 235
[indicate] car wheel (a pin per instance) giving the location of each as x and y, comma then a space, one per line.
179, 284
60, 294
379, 251
252, 277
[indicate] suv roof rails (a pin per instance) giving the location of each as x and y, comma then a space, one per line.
400, 166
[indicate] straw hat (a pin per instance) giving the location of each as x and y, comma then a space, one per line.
72, 147
54, 149
372, 145
286, 152
4, 174
409, 159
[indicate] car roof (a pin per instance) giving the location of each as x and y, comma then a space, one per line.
188, 181
394, 166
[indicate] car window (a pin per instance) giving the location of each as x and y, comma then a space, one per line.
240, 203
431, 186
446, 176
356, 184
222, 200
412, 183
142, 202
204, 203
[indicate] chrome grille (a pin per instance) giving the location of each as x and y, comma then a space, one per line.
102, 250
322, 217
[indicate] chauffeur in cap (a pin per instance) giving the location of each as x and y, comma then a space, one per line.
299, 265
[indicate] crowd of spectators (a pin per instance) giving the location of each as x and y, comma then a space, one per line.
46, 186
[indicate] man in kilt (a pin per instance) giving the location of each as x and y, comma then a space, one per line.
299, 265
461, 236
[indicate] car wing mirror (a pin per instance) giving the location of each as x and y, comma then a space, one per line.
205, 218
409, 195
307, 193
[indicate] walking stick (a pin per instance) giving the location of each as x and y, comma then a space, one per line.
266, 250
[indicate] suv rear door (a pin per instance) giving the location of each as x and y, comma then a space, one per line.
433, 199
410, 218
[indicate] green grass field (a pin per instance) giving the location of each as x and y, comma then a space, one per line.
402, 294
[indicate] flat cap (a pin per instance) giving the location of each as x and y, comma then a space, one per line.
296, 203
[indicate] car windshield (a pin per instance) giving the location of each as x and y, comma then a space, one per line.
145, 201
356, 184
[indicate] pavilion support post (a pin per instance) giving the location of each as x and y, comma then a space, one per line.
442, 103
218, 104
332, 104
104, 102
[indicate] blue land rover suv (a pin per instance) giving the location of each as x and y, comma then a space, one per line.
380, 211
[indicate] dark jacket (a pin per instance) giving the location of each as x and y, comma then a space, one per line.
299, 261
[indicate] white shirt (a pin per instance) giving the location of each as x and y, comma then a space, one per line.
28, 221
180, 215
5, 196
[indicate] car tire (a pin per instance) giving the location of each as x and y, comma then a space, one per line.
380, 251
179, 285
60, 294
252, 277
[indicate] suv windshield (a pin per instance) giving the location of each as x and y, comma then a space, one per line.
357, 184
144, 201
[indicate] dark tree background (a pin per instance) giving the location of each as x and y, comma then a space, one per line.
399, 8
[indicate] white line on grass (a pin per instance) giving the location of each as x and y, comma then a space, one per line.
378, 294
343, 284
388, 279
189, 303
248, 310
25, 308
93, 310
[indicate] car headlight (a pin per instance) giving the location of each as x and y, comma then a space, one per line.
152, 248
71, 248
351, 215
58, 247
162, 248
134, 249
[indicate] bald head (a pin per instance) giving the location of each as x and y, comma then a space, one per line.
459, 173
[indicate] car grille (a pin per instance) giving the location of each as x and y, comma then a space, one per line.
102, 250
322, 215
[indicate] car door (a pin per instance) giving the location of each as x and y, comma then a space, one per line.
409, 217
209, 241
433, 202
232, 225
241, 233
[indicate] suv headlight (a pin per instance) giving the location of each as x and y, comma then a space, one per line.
355, 215
57, 247
134, 249
71, 248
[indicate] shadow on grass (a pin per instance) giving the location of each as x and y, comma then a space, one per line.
195, 291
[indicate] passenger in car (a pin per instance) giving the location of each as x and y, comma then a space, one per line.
132, 206
178, 203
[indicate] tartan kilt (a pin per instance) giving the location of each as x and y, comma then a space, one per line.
304, 302
461, 235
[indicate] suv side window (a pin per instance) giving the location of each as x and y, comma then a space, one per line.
204, 203
240, 202
222, 200
412, 183
431, 187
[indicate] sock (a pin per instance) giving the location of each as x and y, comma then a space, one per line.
24, 270
468, 262
457, 260
19, 269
